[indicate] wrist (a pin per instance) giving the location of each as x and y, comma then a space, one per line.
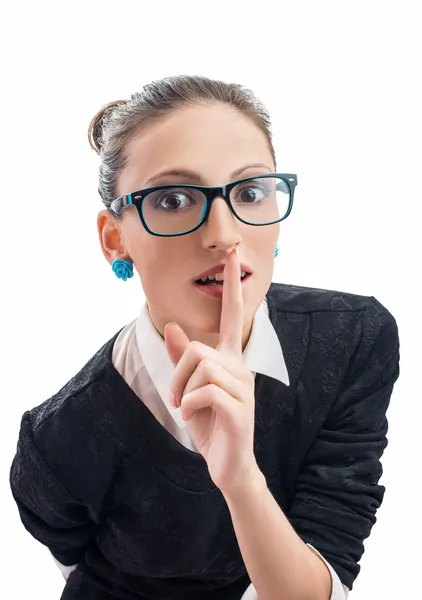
252, 482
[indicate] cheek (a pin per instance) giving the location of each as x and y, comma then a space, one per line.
156, 268
261, 249
262, 260
160, 268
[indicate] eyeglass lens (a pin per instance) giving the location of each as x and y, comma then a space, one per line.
180, 209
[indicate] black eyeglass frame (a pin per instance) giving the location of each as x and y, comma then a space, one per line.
210, 192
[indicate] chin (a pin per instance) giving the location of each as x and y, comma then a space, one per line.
207, 324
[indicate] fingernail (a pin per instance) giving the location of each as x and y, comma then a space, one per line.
168, 325
172, 400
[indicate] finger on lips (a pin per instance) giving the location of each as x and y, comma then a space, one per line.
230, 342
231, 323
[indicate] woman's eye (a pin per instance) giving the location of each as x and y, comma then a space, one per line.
251, 194
173, 201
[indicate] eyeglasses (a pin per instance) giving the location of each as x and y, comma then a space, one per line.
171, 210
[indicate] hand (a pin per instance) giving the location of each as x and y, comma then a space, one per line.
216, 391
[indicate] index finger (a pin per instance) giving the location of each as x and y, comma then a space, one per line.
231, 323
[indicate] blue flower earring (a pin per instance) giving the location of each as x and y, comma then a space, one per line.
122, 268
276, 251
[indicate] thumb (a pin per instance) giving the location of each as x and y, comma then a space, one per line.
176, 341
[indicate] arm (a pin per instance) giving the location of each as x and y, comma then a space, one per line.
339, 591
337, 491
47, 509
280, 565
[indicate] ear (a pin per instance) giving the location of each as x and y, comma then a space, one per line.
110, 236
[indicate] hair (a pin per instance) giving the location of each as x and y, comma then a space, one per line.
117, 122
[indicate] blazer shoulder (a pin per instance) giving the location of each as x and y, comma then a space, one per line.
92, 372
64, 435
300, 299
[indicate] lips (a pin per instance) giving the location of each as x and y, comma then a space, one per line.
220, 268
215, 290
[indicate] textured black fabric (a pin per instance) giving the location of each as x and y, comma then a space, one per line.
99, 481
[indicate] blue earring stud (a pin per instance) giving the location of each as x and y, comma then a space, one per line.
276, 251
122, 268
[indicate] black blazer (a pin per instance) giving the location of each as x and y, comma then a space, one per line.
99, 481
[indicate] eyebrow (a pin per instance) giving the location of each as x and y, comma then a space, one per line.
188, 174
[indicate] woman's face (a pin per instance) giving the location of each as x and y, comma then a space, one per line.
217, 145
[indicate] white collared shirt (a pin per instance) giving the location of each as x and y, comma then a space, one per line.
140, 356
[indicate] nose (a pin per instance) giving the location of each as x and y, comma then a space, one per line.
220, 231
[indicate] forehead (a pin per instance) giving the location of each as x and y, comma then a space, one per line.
213, 140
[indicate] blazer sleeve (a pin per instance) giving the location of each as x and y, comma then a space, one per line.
337, 492
48, 510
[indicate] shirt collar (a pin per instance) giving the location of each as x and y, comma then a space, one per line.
263, 353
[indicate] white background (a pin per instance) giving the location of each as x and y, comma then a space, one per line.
341, 82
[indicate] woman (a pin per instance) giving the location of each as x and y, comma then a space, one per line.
226, 443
